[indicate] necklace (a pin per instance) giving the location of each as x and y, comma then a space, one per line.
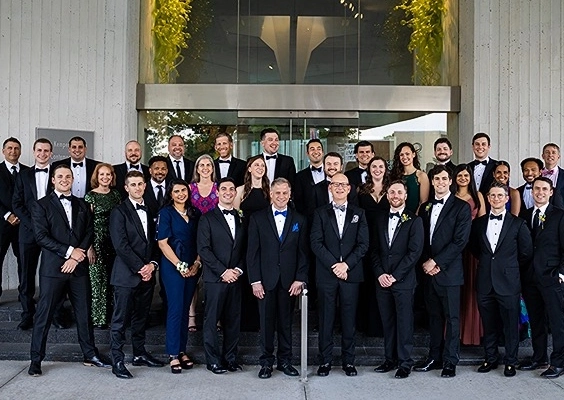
183, 213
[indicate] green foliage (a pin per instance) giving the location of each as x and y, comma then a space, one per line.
425, 18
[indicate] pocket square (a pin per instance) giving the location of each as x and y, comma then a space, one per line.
355, 219
295, 227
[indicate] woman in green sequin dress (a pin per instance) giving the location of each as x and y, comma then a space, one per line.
102, 199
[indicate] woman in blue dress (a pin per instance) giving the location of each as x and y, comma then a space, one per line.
180, 268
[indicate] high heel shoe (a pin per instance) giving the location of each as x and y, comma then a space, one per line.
175, 366
192, 327
185, 361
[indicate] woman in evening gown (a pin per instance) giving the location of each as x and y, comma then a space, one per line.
406, 167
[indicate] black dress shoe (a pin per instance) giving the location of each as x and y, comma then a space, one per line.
350, 370
402, 373
427, 365
25, 325
288, 369
216, 369
34, 368
120, 371
233, 367
509, 370
96, 362
324, 369
387, 366
487, 367
147, 360
449, 371
529, 365
265, 372
553, 372
59, 323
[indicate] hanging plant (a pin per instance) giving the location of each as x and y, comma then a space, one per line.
425, 18
170, 20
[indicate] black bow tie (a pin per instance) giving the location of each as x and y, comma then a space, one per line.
528, 187
318, 169
438, 201
141, 207
224, 161
271, 157
342, 207
77, 164
42, 170
284, 213
498, 217
63, 197
229, 212
481, 162
131, 166
394, 214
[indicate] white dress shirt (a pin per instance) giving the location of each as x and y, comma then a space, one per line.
393, 224
279, 219
224, 166
142, 215
270, 165
528, 195
494, 229
340, 215
180, 163
435, 212
317, 176
79, 178
479, 172
551, 174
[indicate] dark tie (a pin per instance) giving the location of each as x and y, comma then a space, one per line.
131, 166
319, 169
42, 170
536, 221
63, 197
178, 173
528, 186
481, 162
498, 217
141, 207
160, 195
438, 201
342, 207
77, 164
224, 161
229, 212
14, 170
284, 213
271, 157
394, 214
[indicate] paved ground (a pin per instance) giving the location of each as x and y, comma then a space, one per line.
72, 380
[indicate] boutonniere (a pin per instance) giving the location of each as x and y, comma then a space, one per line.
542, 219
428, 207
354, 219
295, 227
240, 213
405, 217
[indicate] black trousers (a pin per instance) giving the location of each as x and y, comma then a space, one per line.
537, 318
222, 303
52, 291
492, 306
443, 307
347, 295
275, 314
29, 257
553, 297
131, 307
396, 310
8, 236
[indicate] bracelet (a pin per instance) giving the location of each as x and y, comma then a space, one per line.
199, 263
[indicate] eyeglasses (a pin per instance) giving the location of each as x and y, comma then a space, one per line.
339, 184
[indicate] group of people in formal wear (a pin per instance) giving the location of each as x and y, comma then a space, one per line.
371, 245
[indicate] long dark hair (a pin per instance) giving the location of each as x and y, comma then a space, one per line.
191, 211
506, 164
397, 166
367, 187
471, 185
248, 180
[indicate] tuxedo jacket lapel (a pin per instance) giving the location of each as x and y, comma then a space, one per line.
287, 224
398, 227
33, 183
348, 218
384, 224
136, 220
485, 236
60, 209
218, 214
444, 212
270, 217
333, 218
504, 228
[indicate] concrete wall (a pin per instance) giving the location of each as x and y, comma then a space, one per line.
69, 64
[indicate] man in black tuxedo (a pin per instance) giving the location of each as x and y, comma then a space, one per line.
339, 240
132, 230
156, 186
308, 177
226, 165
502, 244
398, 246
443, 153
9, 223
482, 166
551, 157
64, 229
321, 194
132, 163
447, 221
178, 166
544, 284
277, 267
277, 165
31, 185
531, 169
221, 238
363, 152
82, 167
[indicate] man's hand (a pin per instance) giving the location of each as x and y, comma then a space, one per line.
429, 265
13, 220
230, 276
386, 280
340, 270
434, 271
258, 291
146, 271
69, 266
296, 288
78, 254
